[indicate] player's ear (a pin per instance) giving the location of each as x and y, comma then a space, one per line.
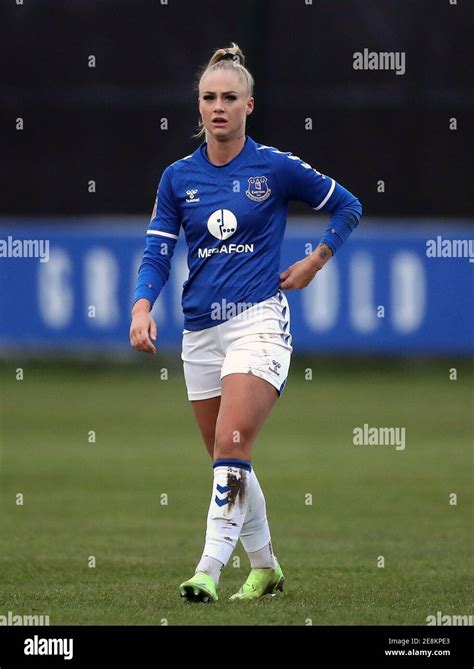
250, 106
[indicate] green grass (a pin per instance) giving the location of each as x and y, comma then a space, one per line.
103, 499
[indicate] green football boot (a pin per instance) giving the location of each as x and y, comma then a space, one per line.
199, 588
260, 582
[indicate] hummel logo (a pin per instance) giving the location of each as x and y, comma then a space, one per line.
191, 195
221, 489
276, 367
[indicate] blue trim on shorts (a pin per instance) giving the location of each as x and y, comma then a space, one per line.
231, 462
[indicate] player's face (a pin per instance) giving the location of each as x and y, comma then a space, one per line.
224, 104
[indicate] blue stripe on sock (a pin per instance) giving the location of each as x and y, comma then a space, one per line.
222, 488
240, 464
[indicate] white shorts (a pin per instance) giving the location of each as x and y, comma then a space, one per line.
256, 341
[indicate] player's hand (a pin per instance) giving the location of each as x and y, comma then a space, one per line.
301, 273
142, 332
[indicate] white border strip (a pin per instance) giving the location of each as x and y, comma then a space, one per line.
333, 186
163, 234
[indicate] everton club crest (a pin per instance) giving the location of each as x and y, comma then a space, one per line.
258, 189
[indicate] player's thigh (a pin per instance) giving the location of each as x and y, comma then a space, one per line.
246, 402
205, 413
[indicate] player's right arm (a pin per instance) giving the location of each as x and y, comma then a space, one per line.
143, 327
162, 235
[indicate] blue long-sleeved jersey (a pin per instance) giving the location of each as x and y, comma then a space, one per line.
234, 219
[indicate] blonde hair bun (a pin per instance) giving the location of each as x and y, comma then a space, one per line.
233, 53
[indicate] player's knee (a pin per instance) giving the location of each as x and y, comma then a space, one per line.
232, 443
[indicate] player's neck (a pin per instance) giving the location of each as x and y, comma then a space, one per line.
222, 152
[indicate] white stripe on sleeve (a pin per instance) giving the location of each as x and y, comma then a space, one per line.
163, 234
333, 186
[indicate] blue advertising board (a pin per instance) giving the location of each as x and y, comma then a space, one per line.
393, 288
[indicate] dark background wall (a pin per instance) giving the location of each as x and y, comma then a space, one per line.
103, 123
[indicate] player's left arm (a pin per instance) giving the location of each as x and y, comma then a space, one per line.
301, 182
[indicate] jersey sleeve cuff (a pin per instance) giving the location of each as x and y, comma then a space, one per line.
147, 292
333, 241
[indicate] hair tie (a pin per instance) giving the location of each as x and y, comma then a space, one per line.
234, 57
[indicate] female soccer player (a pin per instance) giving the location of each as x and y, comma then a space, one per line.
231, 198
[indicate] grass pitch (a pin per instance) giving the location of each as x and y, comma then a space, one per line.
136, 500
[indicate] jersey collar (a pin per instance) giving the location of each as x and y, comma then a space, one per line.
232, 163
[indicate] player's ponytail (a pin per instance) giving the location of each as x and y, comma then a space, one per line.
229, 58
232, 53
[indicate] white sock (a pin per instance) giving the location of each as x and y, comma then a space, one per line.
210, 566
255, 532
264, 558
226, 515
